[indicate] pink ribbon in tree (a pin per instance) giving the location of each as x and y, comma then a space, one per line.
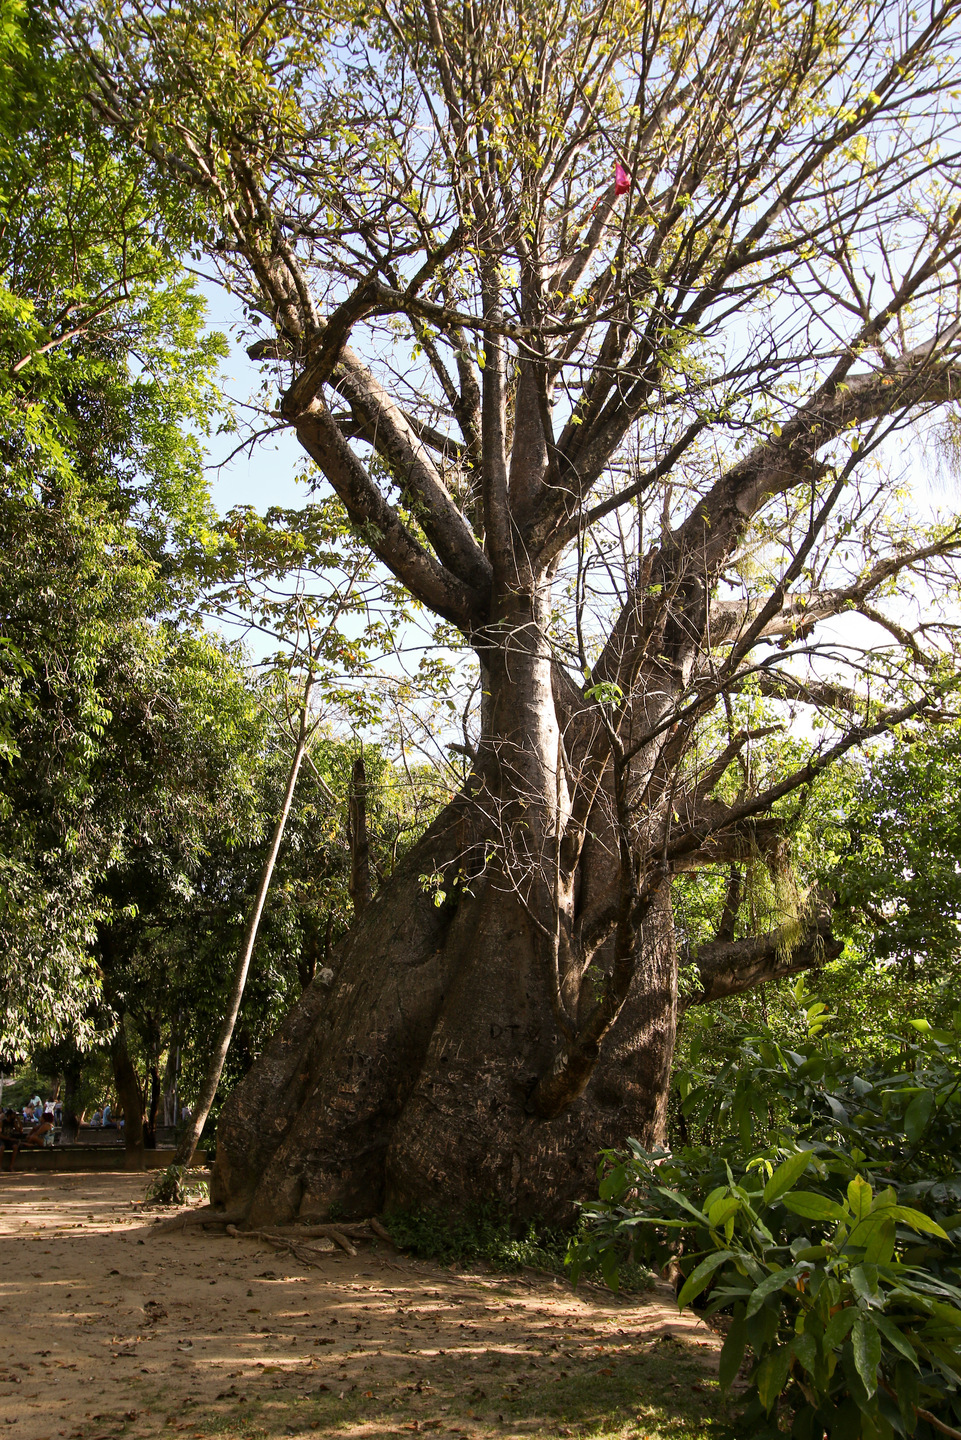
622, 181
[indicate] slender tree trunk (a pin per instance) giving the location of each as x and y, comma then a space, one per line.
359, 886
150, 1127
171, 1072
130, 1095
208, 1090
71, 1118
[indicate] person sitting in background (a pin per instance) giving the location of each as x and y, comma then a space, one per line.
39, 1135
105, 1117
96, 1118
28, 1113
11, 1135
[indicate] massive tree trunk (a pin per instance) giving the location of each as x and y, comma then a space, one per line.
413, 1076
410, 1077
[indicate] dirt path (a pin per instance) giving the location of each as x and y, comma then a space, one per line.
108, 1330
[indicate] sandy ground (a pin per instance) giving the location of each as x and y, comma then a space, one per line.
109, 1329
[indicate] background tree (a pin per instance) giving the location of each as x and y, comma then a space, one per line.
106, 386
600, 322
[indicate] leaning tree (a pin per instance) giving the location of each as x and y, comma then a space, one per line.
612, 324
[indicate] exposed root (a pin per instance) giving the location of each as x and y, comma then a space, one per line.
306, 1254
290, 1237
202, 1215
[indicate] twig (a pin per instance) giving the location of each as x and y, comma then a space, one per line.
926, 1415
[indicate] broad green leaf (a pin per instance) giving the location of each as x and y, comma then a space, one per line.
806, 1349
866, 1343
609, 1269
771, 1375
786, 1175
722, 1210
811, 1206
836, 1330
948, 1313
700, 1277
917, 1115
848, 1423
864, 1282
908, 1391
860, 1198
732, 1353
767, 1287
879, 1239
895, 1339
917, 1220
684, 1203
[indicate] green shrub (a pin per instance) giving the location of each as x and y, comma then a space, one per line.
832, 1248
174, 1186
484, 1232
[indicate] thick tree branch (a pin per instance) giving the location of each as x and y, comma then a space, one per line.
388, 537
799, 613
732, 967
704, 542
397, 442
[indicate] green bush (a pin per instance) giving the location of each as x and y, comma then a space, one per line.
484, 1232
832, 1248
174, 1186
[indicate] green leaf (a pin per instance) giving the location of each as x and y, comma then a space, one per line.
812, 1206
806, 1349
917, 1115
786, 1175
732, 1353
836, 1330
609, 1269
848, 1423
684, 1203
908, 1390
722, 1210
700, 1277
866, 1343
771, 1375
864, 1282
860, 1198
767, 1287
895, 1339
917, 1220
950, 1314
878, 1234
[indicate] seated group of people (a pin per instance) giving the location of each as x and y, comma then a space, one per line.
30, 1128
106, 1119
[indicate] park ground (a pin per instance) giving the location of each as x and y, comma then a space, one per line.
111, 1327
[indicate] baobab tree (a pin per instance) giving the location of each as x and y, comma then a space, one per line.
611, 323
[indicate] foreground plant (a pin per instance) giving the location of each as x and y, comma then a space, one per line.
833, 1250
